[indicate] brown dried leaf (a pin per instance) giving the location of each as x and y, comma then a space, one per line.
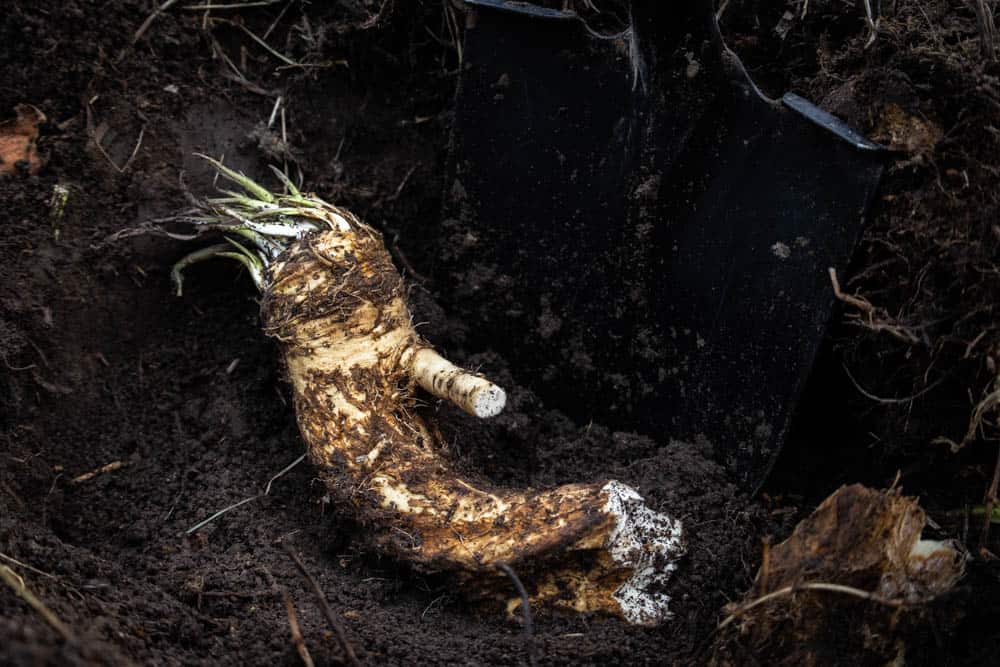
18, 138
905, 132
869, 540
849, 580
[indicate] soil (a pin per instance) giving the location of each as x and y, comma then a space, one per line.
102, 364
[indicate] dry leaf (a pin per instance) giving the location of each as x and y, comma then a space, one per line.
844, 583
18, 138
905, 132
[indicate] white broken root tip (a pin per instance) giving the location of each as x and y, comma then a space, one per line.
649, 543
470, 391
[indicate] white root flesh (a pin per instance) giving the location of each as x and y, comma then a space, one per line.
470, 391
337, 305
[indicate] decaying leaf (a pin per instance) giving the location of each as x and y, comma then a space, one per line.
906, 132
18, 138
848, 578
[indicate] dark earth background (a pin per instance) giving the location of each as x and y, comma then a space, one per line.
101, 363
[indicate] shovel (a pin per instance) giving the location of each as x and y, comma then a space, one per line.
644, 235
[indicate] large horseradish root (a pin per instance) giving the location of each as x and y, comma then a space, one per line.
336, 303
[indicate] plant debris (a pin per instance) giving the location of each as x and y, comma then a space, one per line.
859, 561
908, 133
18, 142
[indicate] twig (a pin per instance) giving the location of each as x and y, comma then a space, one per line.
15, 561
293, 622
274, 112
267, 47
17, 584
420, 278
814, 586
891, 401
989, 402
87, 476
870, 313
202, 524
338, 628
277, 20
100, 147
93, 137
235, 74
282, 473
135, 151
267, 490
529, 630
402, 184
284, 137
861, 304
872, 24
972, 344
152, 17
433, 602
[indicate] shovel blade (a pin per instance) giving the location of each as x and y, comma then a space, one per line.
641, 233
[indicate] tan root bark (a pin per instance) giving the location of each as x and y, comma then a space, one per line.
337, 304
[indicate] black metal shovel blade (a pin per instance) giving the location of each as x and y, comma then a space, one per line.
639, 231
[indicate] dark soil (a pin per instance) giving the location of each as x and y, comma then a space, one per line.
102, 364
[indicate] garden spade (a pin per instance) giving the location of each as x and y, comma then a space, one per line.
644, 234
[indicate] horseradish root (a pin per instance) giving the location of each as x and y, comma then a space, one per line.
336, 303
